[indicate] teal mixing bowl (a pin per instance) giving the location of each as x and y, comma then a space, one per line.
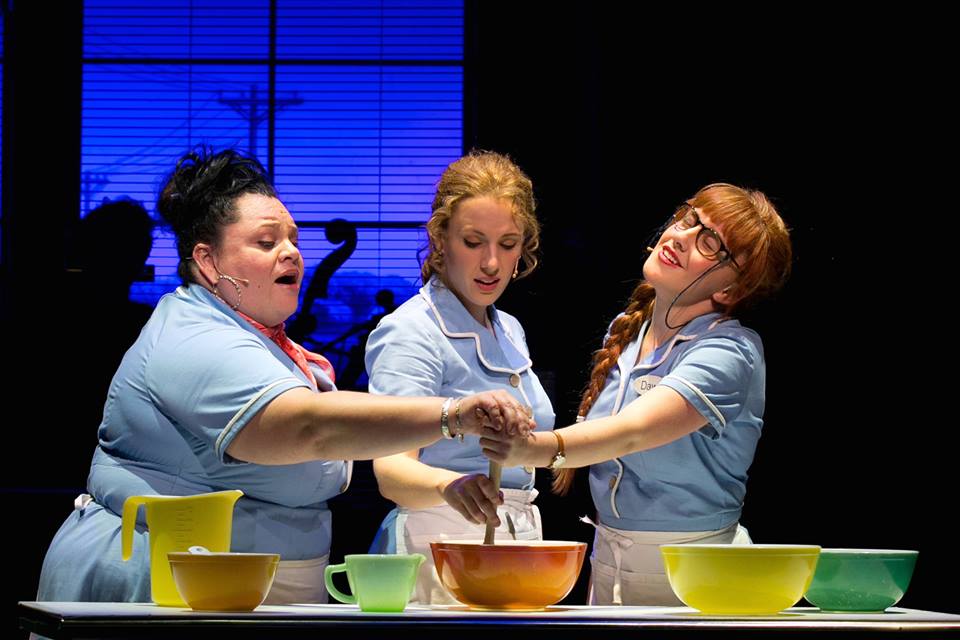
864, 580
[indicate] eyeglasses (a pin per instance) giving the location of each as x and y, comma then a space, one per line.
709, 243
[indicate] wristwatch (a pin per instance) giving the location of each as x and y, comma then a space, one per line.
560, 456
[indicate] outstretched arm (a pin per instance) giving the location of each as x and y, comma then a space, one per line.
658, 417
301, 425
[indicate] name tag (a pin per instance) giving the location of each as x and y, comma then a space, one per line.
644, 383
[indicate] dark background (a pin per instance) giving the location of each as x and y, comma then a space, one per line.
840, 119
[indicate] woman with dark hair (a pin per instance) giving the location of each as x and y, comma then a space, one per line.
214, 396
673, 410
452, 339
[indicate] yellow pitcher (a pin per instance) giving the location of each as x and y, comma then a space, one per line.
177, 523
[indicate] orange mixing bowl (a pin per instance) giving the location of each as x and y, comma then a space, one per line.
524, 576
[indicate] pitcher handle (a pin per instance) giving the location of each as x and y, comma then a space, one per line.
129, 523
328, 579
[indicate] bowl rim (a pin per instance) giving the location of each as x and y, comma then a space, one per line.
802, 549
868, 552
511, 545
179, 556
383, 556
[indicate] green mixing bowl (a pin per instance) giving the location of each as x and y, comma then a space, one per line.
865, 580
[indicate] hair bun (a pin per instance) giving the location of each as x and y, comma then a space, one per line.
198, 196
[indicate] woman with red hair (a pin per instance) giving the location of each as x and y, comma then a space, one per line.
670, 419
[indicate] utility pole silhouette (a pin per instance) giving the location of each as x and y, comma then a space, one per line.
255, 109
91, 184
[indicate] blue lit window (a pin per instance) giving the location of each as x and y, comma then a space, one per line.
356, 106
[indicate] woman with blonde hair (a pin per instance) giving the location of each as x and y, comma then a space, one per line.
213, 395
670, 419
451, 339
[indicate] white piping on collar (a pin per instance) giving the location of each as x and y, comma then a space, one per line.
718, 321
676, 338
476, 338
663, 357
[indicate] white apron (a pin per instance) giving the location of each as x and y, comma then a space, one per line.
628, 568
299, 581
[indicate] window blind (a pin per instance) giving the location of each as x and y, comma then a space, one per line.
355, 107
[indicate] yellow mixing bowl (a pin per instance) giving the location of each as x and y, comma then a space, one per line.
727, 579
224, 581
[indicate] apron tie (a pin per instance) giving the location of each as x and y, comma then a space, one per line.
618, 543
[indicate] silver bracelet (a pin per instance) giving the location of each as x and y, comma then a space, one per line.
459, 424
445, 419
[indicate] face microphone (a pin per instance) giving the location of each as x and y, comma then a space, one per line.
234, 279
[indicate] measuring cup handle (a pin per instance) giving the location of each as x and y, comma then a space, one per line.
328, 580
129, 523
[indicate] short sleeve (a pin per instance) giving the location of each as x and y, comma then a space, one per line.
715, 376
212, 382
403, 359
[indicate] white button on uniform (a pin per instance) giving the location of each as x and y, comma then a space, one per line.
514, 380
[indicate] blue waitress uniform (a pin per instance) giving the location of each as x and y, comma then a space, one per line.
193, 379
432, 346
691, 489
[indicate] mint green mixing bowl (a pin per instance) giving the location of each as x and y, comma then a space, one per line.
864, 580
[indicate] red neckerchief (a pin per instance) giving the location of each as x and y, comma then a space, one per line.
297, 353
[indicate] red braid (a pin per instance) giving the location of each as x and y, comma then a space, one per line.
623, 330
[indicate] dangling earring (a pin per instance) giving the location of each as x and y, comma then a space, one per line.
236, 285
516, 268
